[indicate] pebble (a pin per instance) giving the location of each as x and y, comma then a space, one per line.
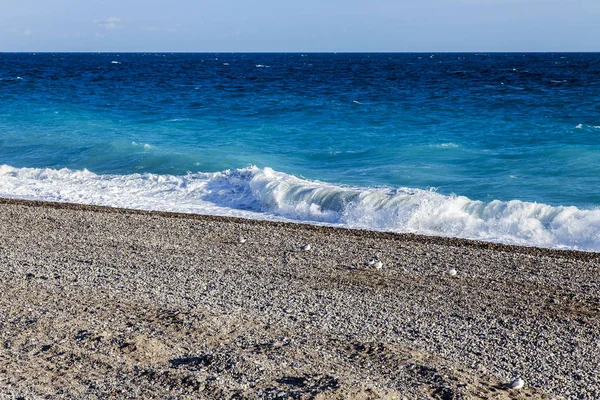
241, 239
452, 272
245, 296
306, 247
516, 384
378, 265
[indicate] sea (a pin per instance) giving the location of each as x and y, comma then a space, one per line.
500, 147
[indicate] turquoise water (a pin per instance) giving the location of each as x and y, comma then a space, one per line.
500, 147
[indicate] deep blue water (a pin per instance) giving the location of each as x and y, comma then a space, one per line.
378, 131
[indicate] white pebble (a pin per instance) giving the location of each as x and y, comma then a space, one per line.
516, 384
306, 247
452, 272
371, 262
378, 265
241, 239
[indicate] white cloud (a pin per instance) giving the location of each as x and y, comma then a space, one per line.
110, 23
27, 32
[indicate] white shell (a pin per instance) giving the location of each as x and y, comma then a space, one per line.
241, 239
306, 247
516, 384
378, 265
452, 272
371, 262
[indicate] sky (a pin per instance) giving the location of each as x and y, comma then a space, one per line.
303, 26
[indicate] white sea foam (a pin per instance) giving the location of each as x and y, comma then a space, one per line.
268, 194
445, 145
582, 126
144, 145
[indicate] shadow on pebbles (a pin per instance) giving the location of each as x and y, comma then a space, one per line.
125, 350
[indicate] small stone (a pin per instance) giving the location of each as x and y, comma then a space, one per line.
241, 239
378, 265
452, 272
371, 262
306, 247
516, 384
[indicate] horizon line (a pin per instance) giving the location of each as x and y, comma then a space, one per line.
300, 52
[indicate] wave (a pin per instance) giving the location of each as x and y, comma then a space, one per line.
267, 194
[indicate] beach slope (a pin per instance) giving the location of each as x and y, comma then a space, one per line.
98, 302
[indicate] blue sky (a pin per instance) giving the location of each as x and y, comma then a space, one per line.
308, 25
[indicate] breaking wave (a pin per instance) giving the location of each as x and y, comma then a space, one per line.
267, 194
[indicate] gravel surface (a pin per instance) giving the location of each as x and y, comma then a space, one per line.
107, 303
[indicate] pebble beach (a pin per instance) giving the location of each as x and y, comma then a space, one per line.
101, 302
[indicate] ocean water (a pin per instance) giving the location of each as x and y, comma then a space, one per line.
497, 147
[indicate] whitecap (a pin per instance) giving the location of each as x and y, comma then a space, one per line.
144, 145
445, 145
580, 126
115, 62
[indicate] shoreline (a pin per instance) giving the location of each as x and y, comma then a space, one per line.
414, 237
105, 302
